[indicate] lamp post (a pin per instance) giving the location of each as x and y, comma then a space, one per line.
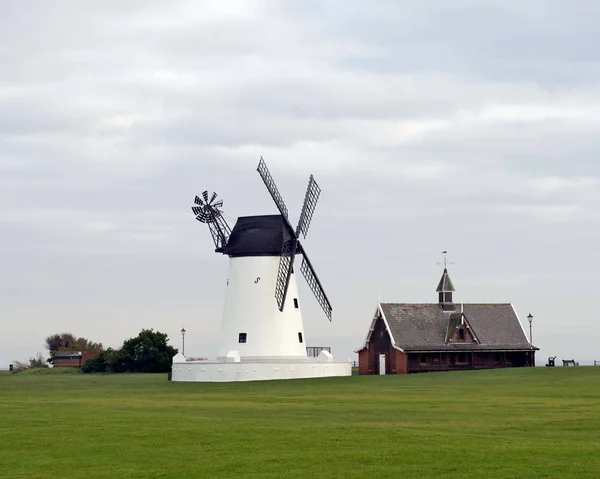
530, 319
183, 340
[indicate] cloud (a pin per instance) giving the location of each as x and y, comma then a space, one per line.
470, 127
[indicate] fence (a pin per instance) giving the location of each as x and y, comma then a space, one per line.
314, 351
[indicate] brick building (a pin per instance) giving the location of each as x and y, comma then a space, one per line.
444, 336
73, 359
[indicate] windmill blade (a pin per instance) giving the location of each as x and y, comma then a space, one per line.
263, 171
202, 218
308, 208
212, 198
315, 285
199, 213
198, 201
284, 273
205, 196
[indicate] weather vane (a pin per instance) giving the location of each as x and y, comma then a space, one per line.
446, 263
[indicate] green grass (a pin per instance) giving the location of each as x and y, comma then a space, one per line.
511, 423
49, 371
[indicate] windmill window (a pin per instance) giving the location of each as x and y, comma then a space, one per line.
296, 304
461, 334
243, 337
300, 337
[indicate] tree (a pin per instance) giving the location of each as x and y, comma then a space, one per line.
68, 342
106, 362
147, 353
57, 341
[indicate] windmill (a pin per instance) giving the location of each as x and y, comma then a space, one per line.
261, 316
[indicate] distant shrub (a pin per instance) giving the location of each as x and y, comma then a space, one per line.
95, 365
106, 362
148, 352
32, 363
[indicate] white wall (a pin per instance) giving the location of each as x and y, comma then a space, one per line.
257, 371
251, 308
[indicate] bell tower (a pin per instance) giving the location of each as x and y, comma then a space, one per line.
445, 288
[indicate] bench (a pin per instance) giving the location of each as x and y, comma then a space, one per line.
570, 362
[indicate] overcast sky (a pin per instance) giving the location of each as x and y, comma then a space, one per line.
470, 126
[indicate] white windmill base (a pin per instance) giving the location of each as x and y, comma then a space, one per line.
233, 368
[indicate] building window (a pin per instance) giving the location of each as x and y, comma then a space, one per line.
498, 357
296, 304
461, 334
423, 358
243, 337
300, 337
462, 358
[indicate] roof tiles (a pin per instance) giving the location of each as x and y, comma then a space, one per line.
424, 327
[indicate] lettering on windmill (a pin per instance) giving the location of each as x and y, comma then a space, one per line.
257, 280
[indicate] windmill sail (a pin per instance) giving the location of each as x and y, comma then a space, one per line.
308, 208
272, 187
292, 246
284, 273
315, 285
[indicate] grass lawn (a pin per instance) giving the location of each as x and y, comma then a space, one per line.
511, 423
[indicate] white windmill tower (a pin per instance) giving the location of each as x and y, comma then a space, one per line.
262, 334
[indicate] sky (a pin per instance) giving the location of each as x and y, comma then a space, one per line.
466, 126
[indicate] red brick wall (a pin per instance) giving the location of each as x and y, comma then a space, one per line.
380, 343
401, 362
363, 362
66, 363
74, 363
469, 338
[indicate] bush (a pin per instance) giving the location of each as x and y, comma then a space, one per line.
31, 363
148, 352
95, 365
106, 362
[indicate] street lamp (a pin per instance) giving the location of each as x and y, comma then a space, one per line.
530, 318
183, 340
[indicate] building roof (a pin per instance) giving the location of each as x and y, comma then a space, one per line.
257, 236
424, 327
445, 285
67, 354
